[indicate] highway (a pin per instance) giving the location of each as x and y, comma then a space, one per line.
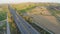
8, 26
23, 26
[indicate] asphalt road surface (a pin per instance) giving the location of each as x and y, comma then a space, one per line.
23, 26
8, 27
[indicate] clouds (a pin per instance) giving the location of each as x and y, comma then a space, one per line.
20, 1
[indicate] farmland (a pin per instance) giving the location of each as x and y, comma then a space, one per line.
39, 14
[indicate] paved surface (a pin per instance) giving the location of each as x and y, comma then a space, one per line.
45, 23
8, 27
23, 26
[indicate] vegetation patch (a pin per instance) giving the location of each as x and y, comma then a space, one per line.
3, 28
13, 28
3, 15
26, 9
54, 12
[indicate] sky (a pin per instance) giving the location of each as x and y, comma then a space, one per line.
21, 1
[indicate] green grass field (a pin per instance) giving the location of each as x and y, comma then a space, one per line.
3, 11
2, 15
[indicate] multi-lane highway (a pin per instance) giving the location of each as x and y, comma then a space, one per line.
24, 27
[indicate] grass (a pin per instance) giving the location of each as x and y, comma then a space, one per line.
26, 9
3, 28
2, 15
53, 11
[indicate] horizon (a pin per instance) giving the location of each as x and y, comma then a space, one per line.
23, 1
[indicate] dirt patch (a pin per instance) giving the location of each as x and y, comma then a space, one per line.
51, 19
